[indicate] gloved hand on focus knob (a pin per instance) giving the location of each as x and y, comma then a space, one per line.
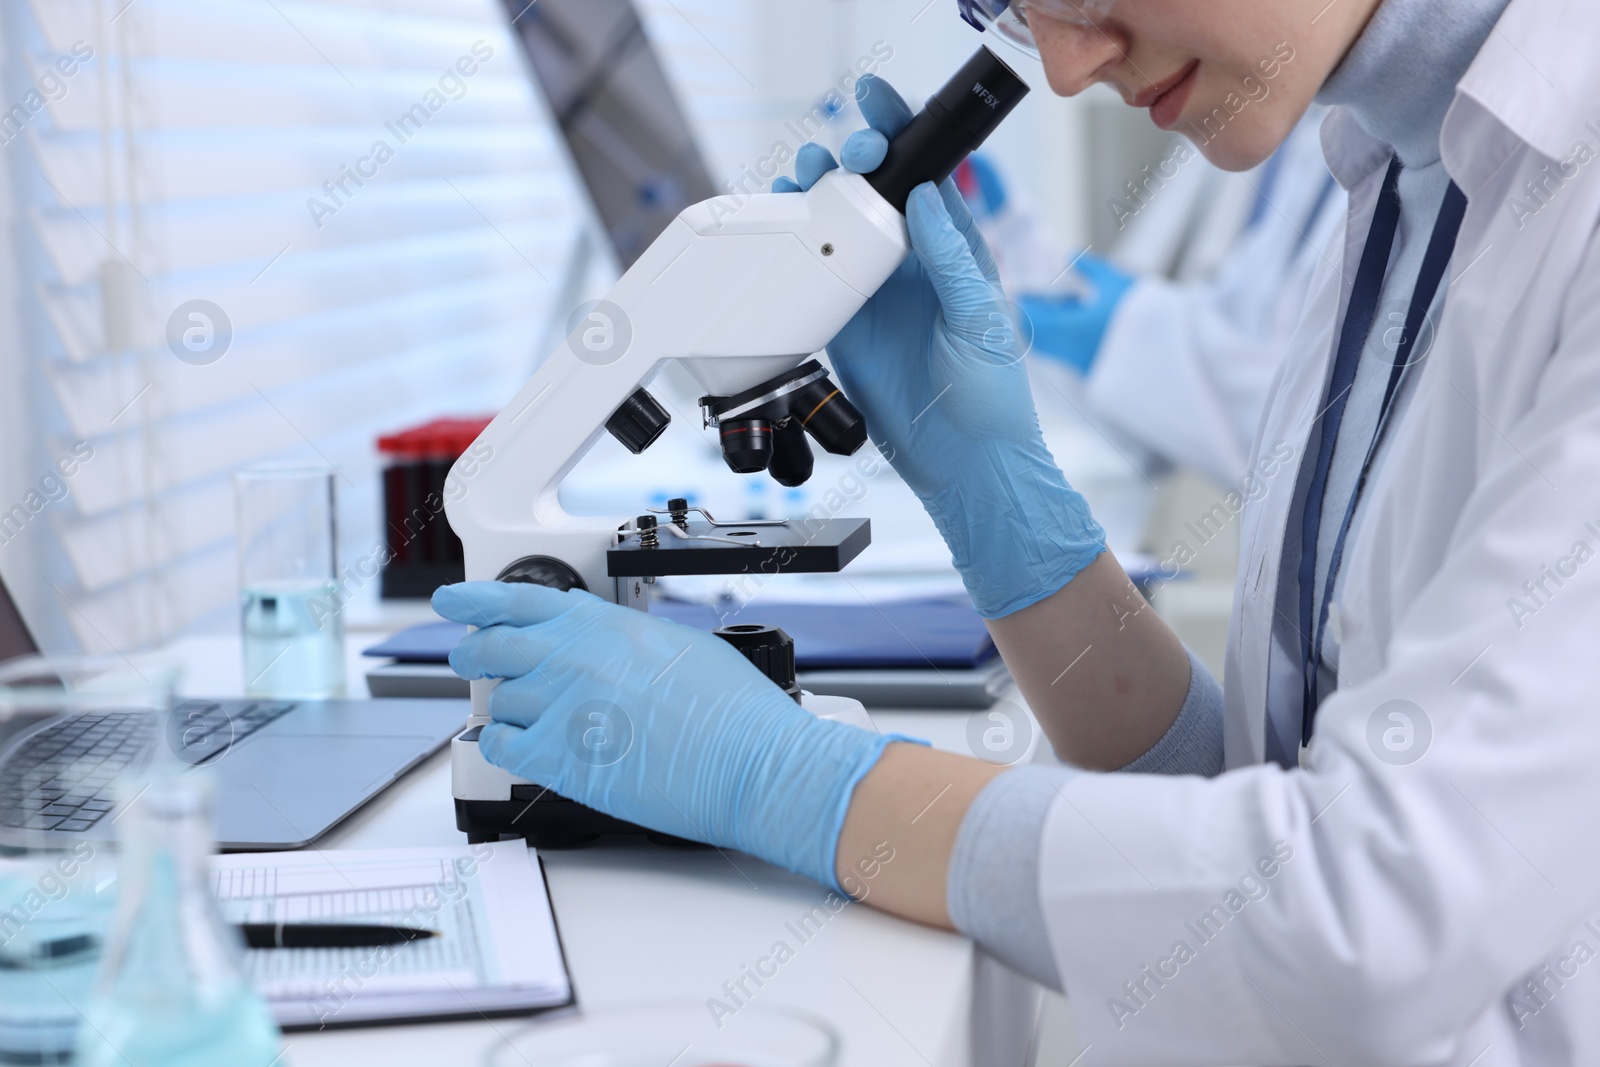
656, 723
934, 362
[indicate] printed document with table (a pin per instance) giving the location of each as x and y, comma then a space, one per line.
496, 949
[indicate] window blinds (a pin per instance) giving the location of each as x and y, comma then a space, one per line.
367, 191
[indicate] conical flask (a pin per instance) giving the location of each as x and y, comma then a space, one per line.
170, 990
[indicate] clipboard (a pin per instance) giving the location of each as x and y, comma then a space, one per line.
498, 951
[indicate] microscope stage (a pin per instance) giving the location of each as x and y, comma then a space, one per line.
797, 546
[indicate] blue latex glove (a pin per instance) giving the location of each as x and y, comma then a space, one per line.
1072, 327
934, 362
656, 723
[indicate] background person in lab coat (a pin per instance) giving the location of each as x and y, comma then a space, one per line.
1180, 367
1398, 866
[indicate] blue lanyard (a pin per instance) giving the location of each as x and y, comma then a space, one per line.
1358, 320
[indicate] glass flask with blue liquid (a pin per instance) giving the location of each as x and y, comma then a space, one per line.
71, 728
170, 990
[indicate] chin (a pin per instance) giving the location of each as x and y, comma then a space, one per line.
1233, 154
1242, 144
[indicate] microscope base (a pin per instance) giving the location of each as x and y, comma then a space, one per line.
548, 821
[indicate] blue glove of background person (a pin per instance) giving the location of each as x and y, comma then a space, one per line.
1071, 327
934, 362
656, 723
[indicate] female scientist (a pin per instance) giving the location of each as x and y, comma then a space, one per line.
1400, 865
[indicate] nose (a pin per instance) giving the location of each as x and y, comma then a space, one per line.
1075, 57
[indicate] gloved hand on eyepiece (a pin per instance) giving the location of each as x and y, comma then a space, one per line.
934, 362
657, 723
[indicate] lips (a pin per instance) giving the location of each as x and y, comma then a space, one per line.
1166, 98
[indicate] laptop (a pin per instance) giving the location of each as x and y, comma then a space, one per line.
293, 769
629, 137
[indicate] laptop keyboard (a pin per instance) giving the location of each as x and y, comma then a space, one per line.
60, 778
201, 729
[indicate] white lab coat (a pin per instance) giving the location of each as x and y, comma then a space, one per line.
1354, 911
1184, 368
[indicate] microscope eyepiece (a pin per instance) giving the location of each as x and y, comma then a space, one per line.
956, 120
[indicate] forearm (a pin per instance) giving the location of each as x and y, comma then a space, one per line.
1102, 672
913, 801
953, 842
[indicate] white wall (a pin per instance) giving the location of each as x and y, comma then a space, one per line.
747, 69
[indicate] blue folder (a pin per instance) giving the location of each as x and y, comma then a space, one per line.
943, 634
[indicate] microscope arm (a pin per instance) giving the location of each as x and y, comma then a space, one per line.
741, 289
737, 288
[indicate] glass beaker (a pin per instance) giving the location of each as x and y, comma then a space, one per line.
292, 608
71, 730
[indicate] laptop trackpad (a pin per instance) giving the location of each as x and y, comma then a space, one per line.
283, 792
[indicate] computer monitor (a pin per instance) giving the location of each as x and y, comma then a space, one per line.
15, 639
627, 132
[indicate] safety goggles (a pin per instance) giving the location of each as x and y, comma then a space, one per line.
1011, 18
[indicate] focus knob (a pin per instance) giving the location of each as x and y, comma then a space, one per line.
638, 422
543, 570
770, 649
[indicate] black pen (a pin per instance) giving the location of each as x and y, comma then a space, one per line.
328, 935
58, 953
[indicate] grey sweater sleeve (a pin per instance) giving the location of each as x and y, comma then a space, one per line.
992, 891
1193, 743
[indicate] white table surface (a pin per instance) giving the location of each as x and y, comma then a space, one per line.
643, 923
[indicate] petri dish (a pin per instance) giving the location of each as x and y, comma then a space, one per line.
681, 1034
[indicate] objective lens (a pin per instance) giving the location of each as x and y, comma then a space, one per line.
765, 427
747, 445
826, 415
792, 461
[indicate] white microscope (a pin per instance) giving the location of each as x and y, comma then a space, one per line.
742, 291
